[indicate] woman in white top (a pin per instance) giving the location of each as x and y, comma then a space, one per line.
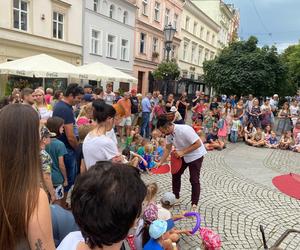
41, 106
97, 146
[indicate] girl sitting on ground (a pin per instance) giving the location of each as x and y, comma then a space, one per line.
268, 130
296, 129
249, 131
272, 141
149, 159
296, 147
286, 141
258, 139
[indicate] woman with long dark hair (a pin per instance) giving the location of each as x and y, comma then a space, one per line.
24, 207
182, 105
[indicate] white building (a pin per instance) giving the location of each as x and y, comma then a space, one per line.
29, 27
199, 43
108, 33
224, 15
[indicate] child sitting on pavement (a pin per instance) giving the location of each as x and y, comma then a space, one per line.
286, 141
272, 141
148, 156
296, 147
213, 140
258, 139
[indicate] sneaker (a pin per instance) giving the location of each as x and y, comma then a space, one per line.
194, 208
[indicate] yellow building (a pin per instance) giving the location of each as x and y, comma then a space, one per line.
28, 28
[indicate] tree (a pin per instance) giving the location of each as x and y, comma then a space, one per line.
166, 71
291, 57
243, 68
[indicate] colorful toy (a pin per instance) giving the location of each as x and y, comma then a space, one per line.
198, 220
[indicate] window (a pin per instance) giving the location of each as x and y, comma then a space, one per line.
155, 45
167, 17
185, 48
124, 50
200, 55
156, 11
195, 28
213, 40
96, 5
175, 21
95, 42
143, 43
193, 53
112, 11
111, 46
20, 14
212, 55
206, 55
145, 7
207, 36
187, 23
125, 17
201, 32
58, 25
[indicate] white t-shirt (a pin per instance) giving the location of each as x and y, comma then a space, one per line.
98, 148
71, 241
163, 214
183, 137
109, 98
111, 134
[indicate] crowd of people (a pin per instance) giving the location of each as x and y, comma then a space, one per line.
84, 150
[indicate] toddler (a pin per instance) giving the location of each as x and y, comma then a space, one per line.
222, 128
272, 141
46, 162
296, 147
286, 141
209, 121
148, 157
213, 140
235, 129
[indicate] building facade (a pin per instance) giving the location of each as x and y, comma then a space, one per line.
152, 17
29, 28
199, 43
108, 33
224, 15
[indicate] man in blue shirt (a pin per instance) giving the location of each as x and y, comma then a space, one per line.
146, 110
64, 110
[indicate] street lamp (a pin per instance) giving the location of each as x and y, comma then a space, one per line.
169, 33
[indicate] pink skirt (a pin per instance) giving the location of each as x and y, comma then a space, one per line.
222, 132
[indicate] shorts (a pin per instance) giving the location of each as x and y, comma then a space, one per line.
125, 122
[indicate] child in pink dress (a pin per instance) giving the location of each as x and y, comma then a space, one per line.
222, 126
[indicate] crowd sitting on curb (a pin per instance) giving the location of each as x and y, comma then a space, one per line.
84, 150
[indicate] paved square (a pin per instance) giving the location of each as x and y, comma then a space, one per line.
237, 196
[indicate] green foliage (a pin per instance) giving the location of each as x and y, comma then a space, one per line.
291, 57
243, 68
166, 71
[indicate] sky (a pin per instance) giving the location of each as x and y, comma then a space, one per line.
271, 21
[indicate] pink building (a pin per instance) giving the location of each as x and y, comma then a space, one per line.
151, 19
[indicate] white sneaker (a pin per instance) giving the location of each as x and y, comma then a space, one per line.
194, 208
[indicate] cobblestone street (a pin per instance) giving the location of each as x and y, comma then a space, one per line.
237, 196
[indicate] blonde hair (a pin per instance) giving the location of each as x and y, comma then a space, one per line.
85, 110
152, 190
83, 131
149, 148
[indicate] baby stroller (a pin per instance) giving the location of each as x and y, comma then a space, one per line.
280, 239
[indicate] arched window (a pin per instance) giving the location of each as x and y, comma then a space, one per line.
112, 11
125, 17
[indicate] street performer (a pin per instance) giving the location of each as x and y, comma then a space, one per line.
188, 147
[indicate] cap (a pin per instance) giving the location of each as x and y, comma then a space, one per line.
150, 213
159, 227
44, 131
168, 198
88, 86
88, 97
173, 109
